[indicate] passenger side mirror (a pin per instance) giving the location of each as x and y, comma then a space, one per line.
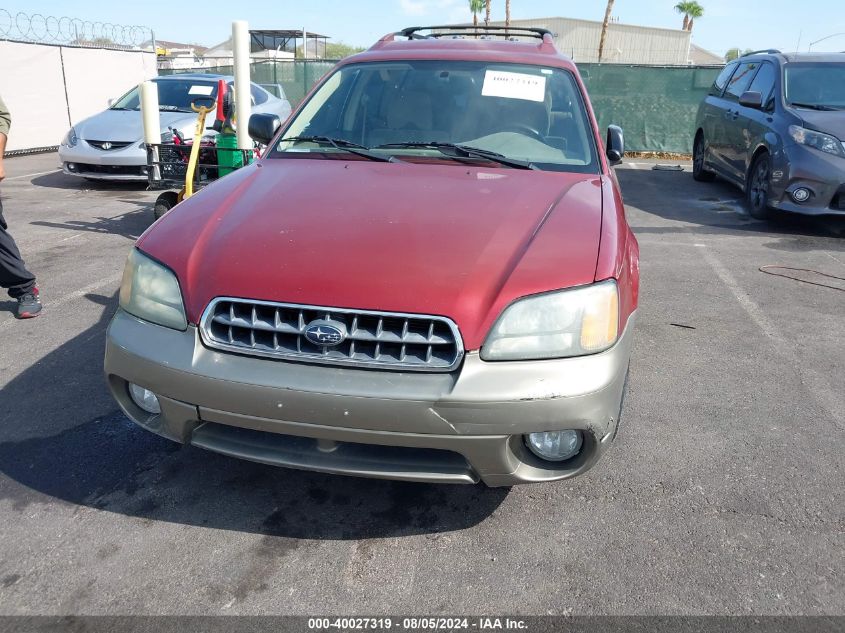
751, 99
615, 147
110, 103
263, 127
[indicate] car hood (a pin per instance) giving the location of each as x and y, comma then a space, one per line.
440, 239
827, 122
127, 125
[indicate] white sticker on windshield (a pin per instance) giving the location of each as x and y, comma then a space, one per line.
514, 86
201, 90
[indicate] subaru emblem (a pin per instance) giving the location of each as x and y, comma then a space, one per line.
325, 333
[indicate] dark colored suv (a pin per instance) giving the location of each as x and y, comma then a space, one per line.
773, 124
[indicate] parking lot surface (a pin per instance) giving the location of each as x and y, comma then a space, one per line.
722, 495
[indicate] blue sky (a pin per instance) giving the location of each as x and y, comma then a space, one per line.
727, 23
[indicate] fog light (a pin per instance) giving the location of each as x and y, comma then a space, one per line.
144, 398
555, 446
801, 195
71, 166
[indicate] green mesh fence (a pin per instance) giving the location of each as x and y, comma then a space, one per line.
654, 105
296, 77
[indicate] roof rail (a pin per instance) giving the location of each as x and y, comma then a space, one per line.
413, 32
768, 51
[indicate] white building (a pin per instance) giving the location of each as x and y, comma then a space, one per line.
277, 45
176, 55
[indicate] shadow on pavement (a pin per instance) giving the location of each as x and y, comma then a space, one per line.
130, 224
63, 439
60, 180
717, 208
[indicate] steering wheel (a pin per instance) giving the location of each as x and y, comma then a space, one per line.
527, 130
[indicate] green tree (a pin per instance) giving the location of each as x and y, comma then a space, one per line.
339, 50
690, 10
603, 39
736, 53
476, 6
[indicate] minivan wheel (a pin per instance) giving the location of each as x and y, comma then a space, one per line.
699, 171
757, 189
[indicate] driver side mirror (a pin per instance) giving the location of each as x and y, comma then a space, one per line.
110, 103
615, 147
751, 99
263, 127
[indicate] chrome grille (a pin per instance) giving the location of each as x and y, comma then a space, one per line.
107, 146
386, 340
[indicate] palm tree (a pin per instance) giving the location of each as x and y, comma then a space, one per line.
507, 12
604, 26
487, 16
476, 6
690, 11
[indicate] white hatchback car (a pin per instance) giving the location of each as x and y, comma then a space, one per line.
110, 146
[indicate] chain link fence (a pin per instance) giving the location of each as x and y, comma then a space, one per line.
656, 106
66, 31
296, 77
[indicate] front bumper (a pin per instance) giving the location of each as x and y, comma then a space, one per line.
127, 165
460, 427
798, 166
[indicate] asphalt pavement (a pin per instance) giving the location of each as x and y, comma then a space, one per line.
722, 495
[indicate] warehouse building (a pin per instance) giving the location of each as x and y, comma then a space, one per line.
626, 43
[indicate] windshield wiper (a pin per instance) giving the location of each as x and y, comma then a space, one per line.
814, 106
125, 109
456, 150
342, 145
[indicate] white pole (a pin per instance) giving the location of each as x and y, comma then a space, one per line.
149, 113
243, 103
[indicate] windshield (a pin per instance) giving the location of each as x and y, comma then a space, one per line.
173, 96
524, 113
821, 84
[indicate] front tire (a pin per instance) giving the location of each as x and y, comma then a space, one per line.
699, 171
757, 187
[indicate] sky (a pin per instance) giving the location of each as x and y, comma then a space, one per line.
726, 23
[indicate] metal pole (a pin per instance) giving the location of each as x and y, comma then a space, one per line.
243, 104
304, 63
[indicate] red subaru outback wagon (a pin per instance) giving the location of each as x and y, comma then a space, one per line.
428, 276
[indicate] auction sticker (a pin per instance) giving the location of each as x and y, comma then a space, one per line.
201, 90
498, 83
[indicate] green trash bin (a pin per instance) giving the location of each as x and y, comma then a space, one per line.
228, 161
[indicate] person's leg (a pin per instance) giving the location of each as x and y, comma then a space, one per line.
14, 275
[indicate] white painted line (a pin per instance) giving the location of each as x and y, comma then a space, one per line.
836, 259
52, 304
814, 381
40, 173
757, 315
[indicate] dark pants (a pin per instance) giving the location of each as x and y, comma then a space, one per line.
13, 274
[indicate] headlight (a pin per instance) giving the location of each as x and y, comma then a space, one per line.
560, 324
151, 292
817, 140
70, 139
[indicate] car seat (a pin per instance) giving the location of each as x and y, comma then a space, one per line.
409, 117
